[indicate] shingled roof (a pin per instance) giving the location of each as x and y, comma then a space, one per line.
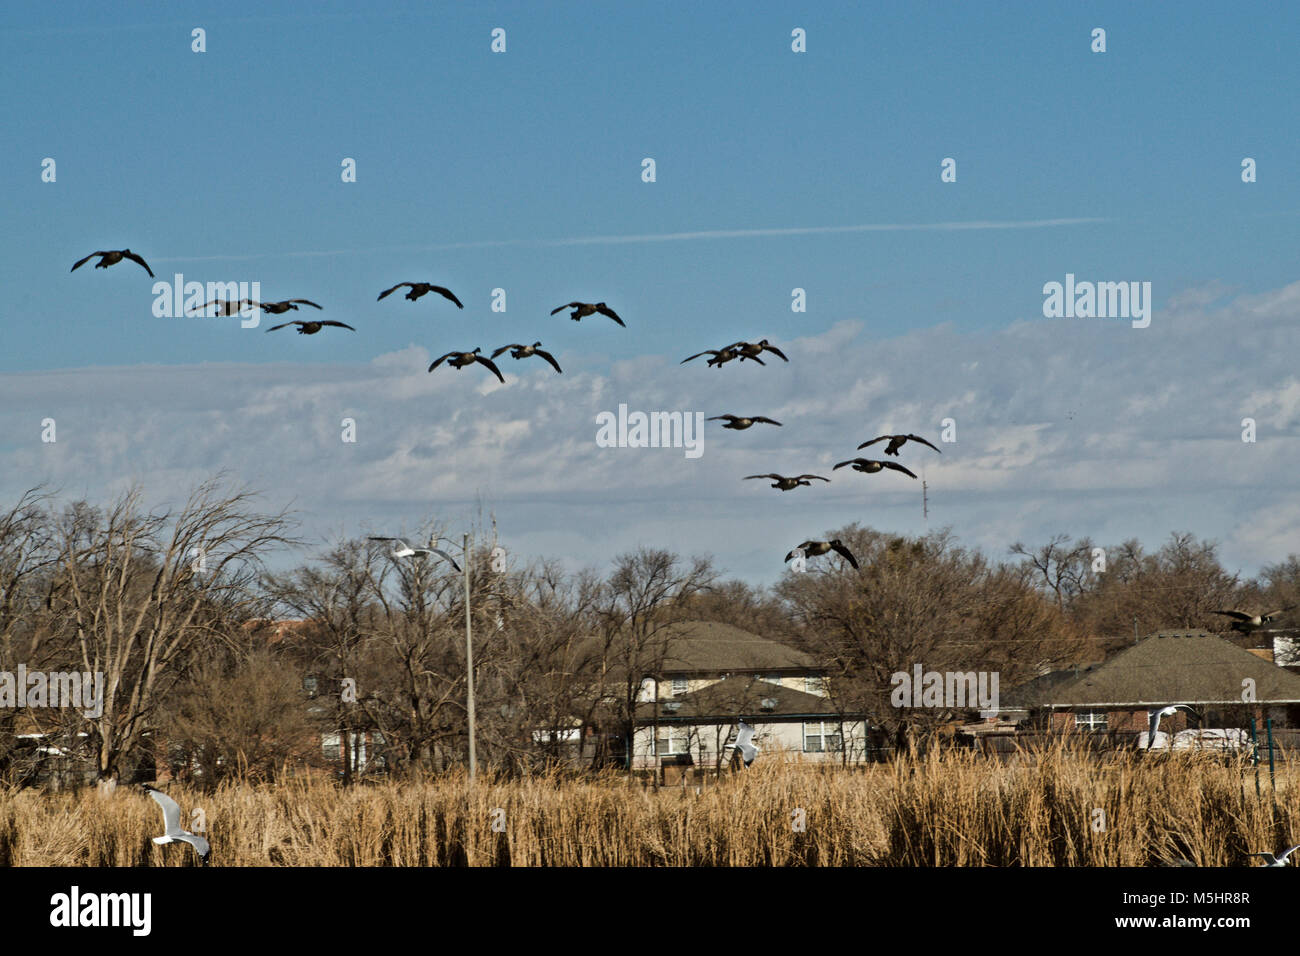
1038, 692
713, 647
1187, 667
738, 697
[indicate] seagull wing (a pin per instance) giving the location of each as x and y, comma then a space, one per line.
484, 360
200, 844
847, 554
393, 289
342, 325
1288, 853
446, 557
550, 358
873, 441
606, 310
897, 467
171, 813
134, 258
919, 439
397, 541
446, 294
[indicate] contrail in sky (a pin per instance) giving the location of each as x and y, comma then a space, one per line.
670, 237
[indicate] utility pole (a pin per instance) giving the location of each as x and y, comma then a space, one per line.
469, 667
925, 500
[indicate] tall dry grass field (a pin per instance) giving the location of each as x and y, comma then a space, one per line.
948, 809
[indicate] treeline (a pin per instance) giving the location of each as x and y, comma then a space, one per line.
178, 610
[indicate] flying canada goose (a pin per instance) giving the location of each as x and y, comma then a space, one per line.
869, 466
523, 351
720, 357
112, 258
582, 309
896, 442
812, 549
403, 550
226, 307
753, 350
740, 424
462, 359
172, 830
278, 308
1244, 623
787, 484
1279, 859
422, 288
310, 326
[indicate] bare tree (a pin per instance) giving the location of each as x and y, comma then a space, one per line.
135, 588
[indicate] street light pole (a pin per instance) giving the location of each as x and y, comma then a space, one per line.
469, 667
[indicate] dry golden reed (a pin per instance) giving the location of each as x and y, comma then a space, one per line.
942, 809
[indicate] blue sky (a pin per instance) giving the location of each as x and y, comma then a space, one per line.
480, 171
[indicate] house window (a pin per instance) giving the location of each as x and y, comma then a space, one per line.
309, 684
330, 746
822, 736
1090, 720
814, 685
680, 685
672, 740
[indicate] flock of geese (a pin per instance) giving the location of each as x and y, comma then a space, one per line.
737, 351
415, 290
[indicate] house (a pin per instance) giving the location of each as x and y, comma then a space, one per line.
698, 727
1226, 684
704, 676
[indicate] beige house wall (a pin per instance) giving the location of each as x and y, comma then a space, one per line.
702, 741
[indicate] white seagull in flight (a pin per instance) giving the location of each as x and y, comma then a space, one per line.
1271, 860
403, 550
1153, 717
743, 737
172, 825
